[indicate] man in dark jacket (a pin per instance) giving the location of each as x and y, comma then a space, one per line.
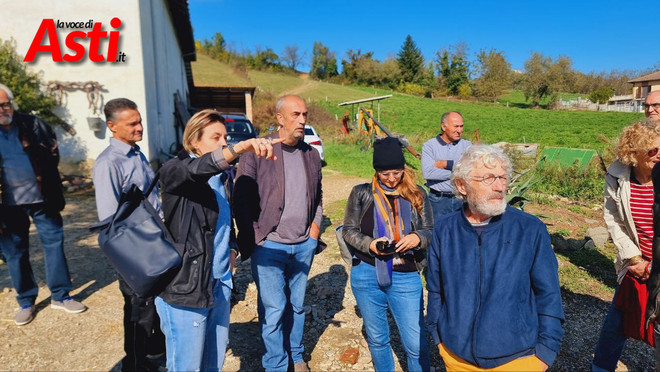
494, 297
277, 206
31, 188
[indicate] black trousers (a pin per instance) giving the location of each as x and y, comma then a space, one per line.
142, 334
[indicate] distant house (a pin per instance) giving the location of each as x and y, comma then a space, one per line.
645, 84
155, 41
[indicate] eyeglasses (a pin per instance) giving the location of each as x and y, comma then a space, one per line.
652, 152
655, 106
6, 105
395, 173
489, 179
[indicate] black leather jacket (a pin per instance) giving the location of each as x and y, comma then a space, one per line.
653, 282
360, 199
189, 205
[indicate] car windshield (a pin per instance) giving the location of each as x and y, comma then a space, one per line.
309, 132
241, 127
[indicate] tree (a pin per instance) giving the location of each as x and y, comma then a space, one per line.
263, 59
25, 85
545, 78
601, 95
360, 68
453, 67
216, 47
324, 62
494, 74
411, 62
292, 57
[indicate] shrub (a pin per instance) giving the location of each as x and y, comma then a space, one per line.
464, 91
412, 89
25, 84
572, 182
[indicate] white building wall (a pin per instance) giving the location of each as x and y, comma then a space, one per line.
164, 74
152, 72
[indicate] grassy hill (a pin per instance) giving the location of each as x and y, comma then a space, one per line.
418, 118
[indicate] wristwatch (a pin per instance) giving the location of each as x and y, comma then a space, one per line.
230, 147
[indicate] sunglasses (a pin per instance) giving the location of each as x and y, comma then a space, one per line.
652, 152
6, 105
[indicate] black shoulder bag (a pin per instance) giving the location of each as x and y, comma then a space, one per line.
137, 243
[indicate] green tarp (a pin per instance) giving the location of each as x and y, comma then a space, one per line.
566, 157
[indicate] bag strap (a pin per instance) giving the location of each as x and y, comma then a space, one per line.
153, 184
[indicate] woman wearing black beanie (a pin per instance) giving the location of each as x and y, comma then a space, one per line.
388, 225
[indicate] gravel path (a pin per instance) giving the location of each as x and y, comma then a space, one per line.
58, 341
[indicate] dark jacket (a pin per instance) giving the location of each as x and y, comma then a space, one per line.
189, 205
258, 200
359, 201
653, 282
494, 297
40, 144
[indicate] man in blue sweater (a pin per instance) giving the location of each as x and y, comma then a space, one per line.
494, 298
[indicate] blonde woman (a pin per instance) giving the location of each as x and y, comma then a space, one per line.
629, 219
388, 225
194, 307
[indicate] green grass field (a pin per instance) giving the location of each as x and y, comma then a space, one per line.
207, 72
418, 118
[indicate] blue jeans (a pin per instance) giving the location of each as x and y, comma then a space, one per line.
442, 205
196, 339
15, 241
406, 303
280, 272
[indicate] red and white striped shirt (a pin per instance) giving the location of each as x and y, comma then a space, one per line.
641, 207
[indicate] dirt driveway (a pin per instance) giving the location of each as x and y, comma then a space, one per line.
58, 341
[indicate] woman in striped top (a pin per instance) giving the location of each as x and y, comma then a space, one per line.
629, 219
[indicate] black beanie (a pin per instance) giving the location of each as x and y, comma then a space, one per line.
388, 154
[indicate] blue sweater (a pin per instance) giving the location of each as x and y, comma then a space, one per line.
494, 298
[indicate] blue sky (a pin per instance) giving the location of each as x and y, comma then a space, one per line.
596, 35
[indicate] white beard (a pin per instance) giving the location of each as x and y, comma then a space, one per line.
486, 207
5, 119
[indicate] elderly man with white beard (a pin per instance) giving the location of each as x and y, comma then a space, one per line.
494, 300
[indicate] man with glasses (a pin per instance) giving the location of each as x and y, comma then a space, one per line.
31, 187
438, 157
494, 297
652, 106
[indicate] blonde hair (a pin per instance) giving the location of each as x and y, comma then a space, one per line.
636, 139
409, 190
195, 128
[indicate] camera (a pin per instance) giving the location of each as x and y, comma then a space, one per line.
386, 247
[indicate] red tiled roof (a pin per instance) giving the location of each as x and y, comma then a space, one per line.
647, 77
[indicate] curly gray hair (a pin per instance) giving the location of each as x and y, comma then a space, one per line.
489, 156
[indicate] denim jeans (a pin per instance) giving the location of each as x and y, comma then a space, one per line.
196, 339
611, 340
280, 272
442, 205
15, 241
406, 303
